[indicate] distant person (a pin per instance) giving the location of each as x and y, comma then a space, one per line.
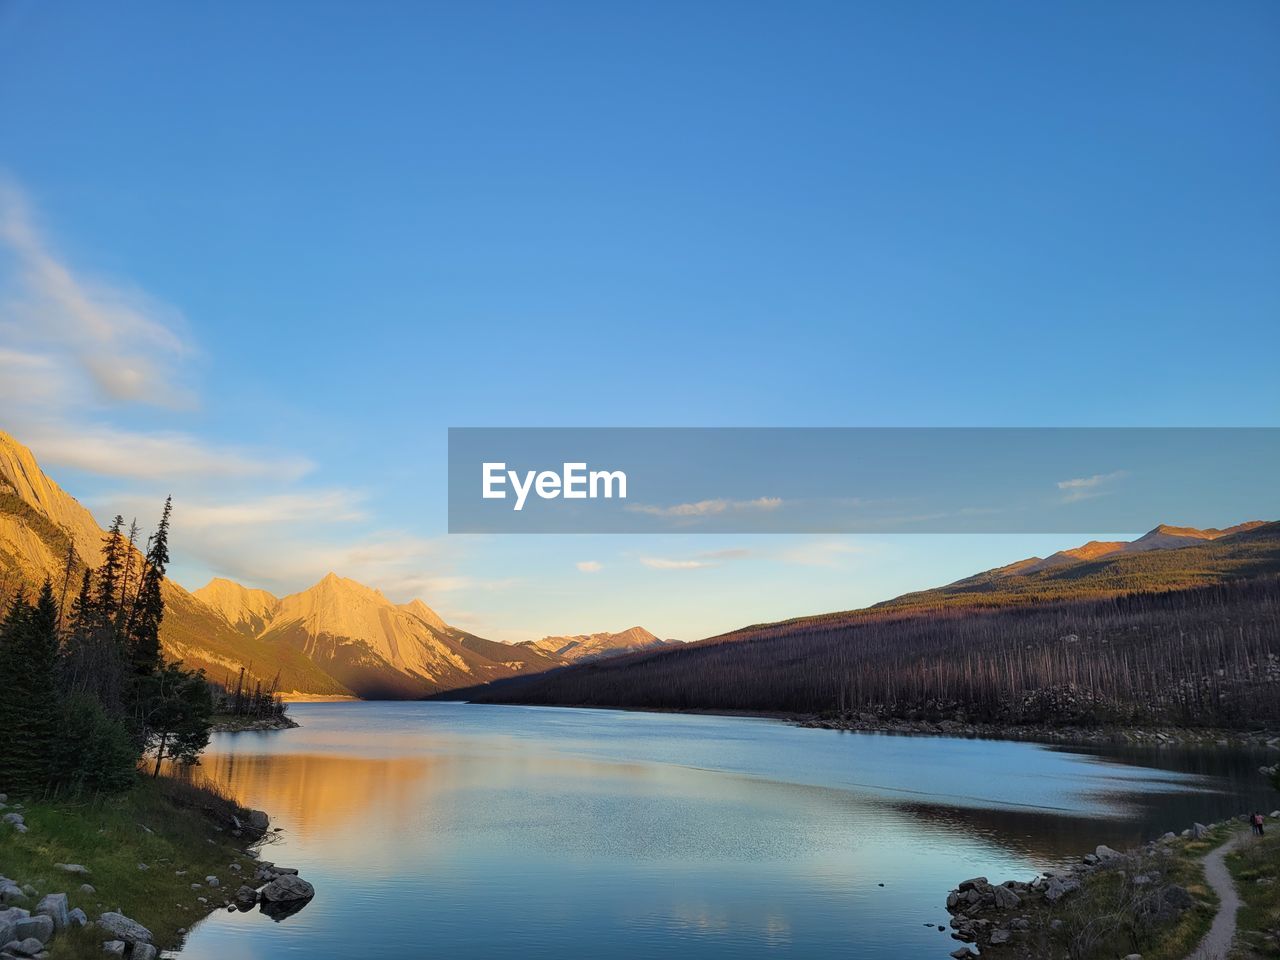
1256, 820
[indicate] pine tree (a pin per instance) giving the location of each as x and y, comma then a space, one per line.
179, 715
30, 644
144, 627
11, 638
110, 572
81, 619
126, 577
68, 566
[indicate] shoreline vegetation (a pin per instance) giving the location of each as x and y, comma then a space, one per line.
149, 864
1152, 902
1192, 664
98, 851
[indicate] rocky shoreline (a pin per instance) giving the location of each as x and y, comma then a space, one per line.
1022, 920
1137, 736
30, 921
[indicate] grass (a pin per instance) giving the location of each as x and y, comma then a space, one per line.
166, 824
1256, 869
1111, 915
1181, 865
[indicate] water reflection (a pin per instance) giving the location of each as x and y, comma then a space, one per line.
516, 832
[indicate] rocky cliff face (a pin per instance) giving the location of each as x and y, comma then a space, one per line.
246, 609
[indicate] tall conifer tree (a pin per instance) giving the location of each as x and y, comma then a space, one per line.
149, 611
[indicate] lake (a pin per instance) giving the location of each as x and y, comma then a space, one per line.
461, 830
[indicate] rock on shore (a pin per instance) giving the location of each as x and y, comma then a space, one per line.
1022, 919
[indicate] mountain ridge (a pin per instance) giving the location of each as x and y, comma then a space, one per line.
578, 648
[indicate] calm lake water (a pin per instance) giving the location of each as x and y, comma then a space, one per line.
458, 830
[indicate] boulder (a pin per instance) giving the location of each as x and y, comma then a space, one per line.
1006, 899
1105, 853
77, 918
79, 869
288, 887
13, 818
8, 919
38, 928
1059, 888
1199, 831
246, 897
114, 948
211, 881
975, 883
143, 951
1000, 936
88, 888
10, 892
122, 928
964, 953
55, 907
258, 820
27, 948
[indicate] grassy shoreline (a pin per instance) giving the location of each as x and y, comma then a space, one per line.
1153, 900
143, 851
1255, 867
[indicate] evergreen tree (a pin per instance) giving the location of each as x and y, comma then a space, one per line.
67, 567
109, 574
82, 605
96, 754
11, 631
179, 715
30, 645
126, 576
148, 612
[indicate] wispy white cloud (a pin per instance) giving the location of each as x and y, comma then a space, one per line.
111, 452
706, 508
126, 343
80, 359
260, 513
1086, 488
75, 350
589, 566
821, 553
663, 563
699, 561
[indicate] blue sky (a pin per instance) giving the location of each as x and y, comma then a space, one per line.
263, 255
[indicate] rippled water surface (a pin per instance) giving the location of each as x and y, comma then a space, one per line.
457, 830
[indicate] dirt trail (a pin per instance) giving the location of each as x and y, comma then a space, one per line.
1217, 942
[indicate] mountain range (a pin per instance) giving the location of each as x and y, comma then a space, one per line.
336, 638
595, 646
